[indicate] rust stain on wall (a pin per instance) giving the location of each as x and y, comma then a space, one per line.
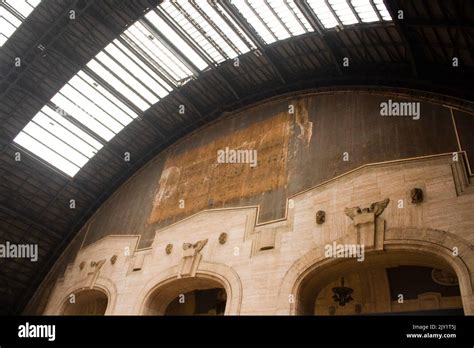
194, 180
303, 122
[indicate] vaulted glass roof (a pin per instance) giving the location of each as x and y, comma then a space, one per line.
172, 44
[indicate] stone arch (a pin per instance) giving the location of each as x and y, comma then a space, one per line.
435, 243
216, 273
102, 284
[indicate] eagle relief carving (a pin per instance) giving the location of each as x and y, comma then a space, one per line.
191, 258
369, 230
377, 208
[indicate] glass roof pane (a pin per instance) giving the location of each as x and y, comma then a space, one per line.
103, 98
210, 32
343, 11
137, 72
128, 78
9, 22
23, 7
152, 50
46, 154
234, 24
149, 75
61, 120
82, 116
382, 10
365, 10
254, 21
289, 16
64, 135
91, 109
55, 144
266, 14
323, 13
179, 12
171, 35
212, 13
300, 16
117, 84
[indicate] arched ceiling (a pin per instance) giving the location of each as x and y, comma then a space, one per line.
415, 53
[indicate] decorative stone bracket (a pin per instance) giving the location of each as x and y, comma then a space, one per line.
191, 258
369, 229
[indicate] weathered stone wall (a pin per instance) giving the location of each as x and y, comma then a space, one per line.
316, 152
300, 142
268, 281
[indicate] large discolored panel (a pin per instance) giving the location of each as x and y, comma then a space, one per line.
194, 180
350, 126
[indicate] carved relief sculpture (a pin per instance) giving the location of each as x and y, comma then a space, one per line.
369, 229
416, 195
94, 274
320, 217
223, 238
191, 258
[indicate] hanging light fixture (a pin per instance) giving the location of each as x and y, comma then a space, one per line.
342, 294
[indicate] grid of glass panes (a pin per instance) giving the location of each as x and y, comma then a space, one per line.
173, 42
12, 14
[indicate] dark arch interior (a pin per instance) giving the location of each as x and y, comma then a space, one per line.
86, 302
389, 283
188, 296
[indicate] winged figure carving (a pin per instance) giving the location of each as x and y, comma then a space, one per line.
377, 208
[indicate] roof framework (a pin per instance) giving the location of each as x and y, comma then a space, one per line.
112, 81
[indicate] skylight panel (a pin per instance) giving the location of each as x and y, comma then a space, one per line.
45, 153
343, 11
55, 144
56, 117
236, 27
103, 98
139, 101
171, 35
198, 15
151, 49
66, 136
126, 77
23, 7
290, 14
382, 10
178, 12
300, 15
254, 21
159, 82
211, 12
9, 23
146, 78
323, 13
82, 116
12, 14
91, 108
266, 13
365, 10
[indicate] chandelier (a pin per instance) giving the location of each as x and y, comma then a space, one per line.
342, 294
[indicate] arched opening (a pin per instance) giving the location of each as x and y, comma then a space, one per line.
385, 283
188, 296
86, 302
